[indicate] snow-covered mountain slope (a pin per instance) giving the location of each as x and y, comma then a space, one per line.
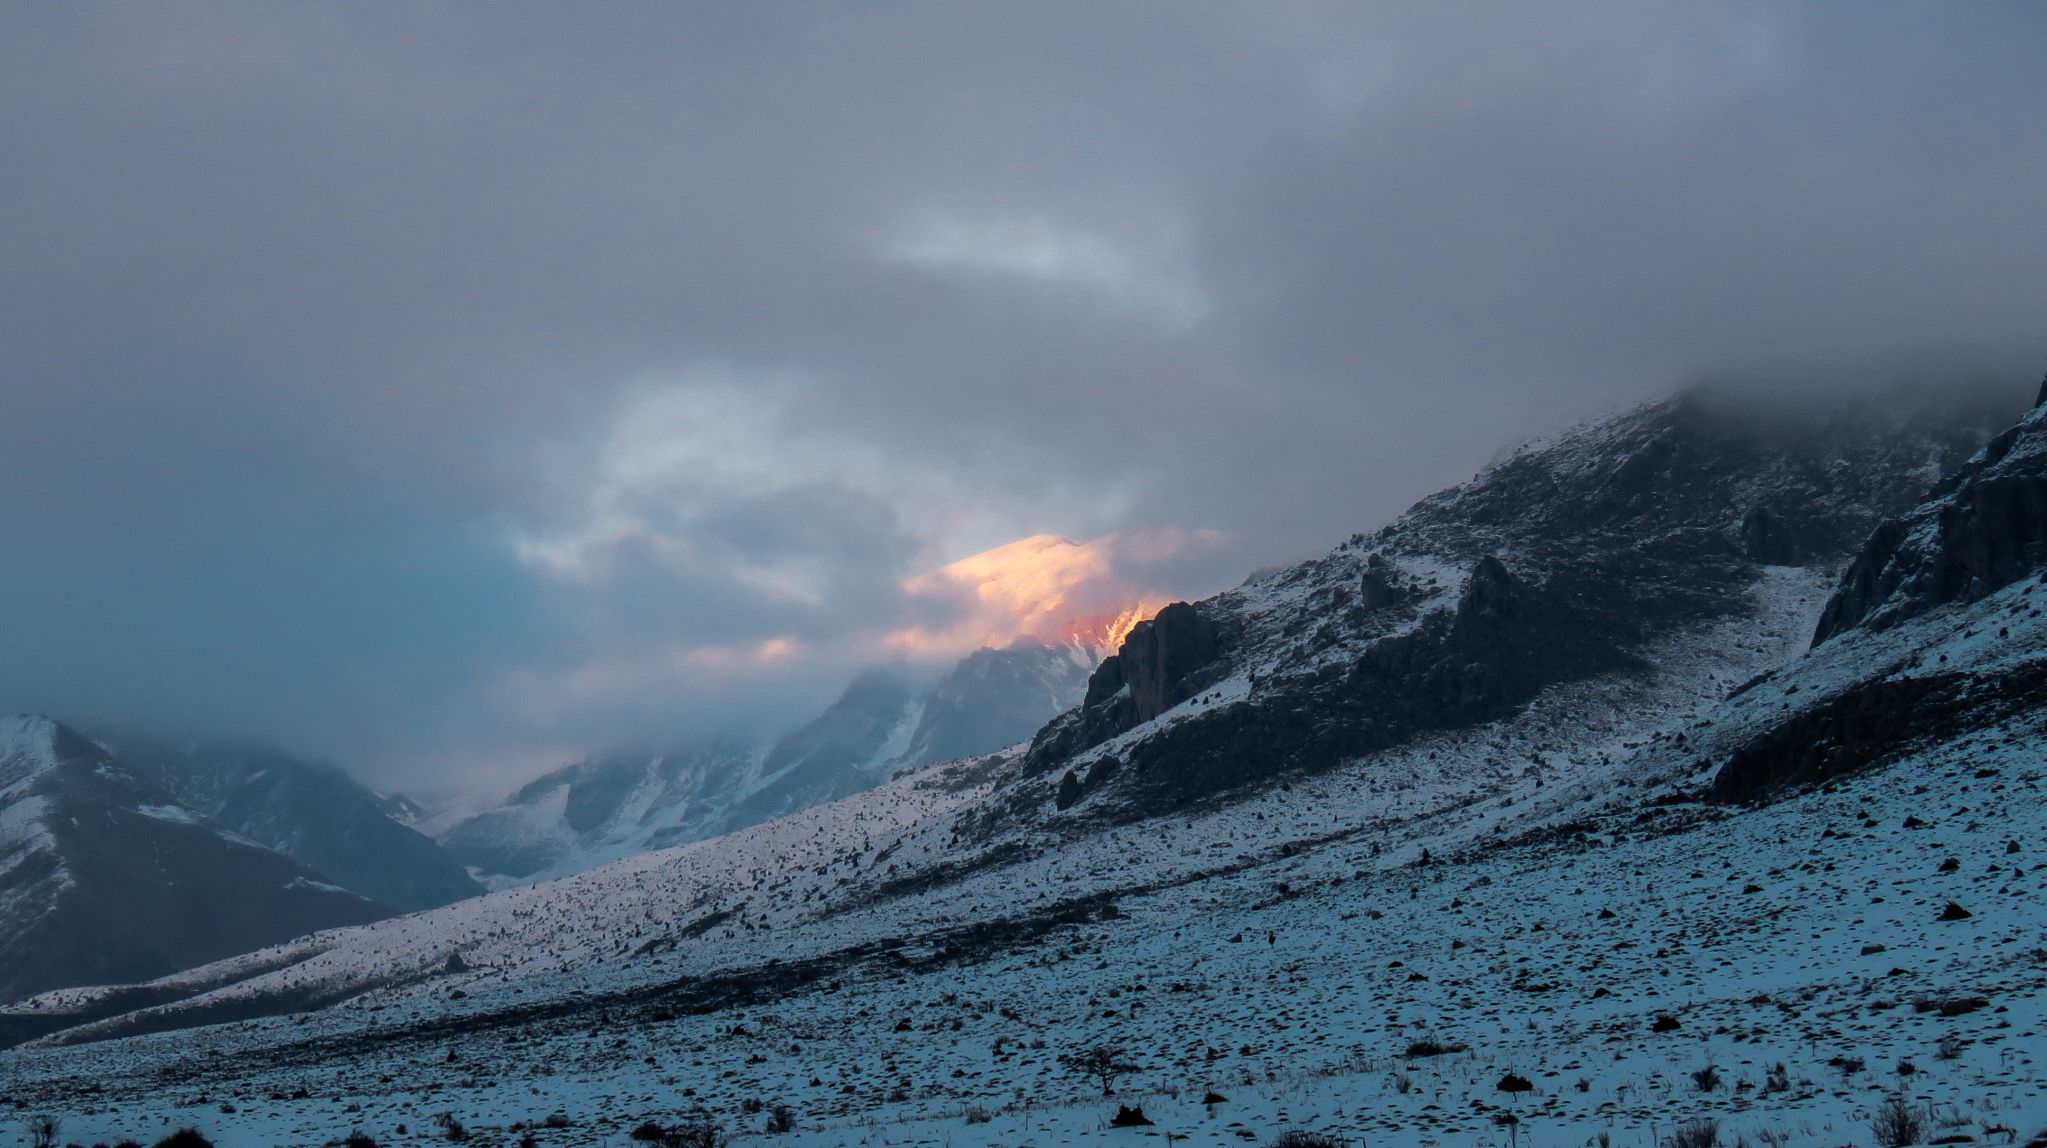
1536, 892
105, 878
602, 809
312, 812
618, 804
1296, 955
1565, 562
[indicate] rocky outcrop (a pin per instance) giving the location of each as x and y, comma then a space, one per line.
1161, 663
1872, 723
1982, 529
1160, 656
1379, 587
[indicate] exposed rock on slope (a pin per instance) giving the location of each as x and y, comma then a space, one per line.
311, 812
1982, 529
105, 878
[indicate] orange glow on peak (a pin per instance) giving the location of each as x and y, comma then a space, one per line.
1044, 587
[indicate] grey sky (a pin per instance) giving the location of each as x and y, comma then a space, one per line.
450, 388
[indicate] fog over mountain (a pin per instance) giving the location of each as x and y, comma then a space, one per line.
455, 392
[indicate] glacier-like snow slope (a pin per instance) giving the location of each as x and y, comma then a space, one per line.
615, 805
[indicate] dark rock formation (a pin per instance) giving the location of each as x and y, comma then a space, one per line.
1161, 655
1161, 663
1982, 529
1870, 724
1377, 588
1070, 791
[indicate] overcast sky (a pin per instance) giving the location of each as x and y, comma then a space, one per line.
449, 389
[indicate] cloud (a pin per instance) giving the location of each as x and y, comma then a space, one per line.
1055, 257
1049, 588
427, 387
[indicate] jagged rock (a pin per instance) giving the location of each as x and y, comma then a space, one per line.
1377, 588
1161, 663
1105, 683
1982, 529
1160, 655
1069, 791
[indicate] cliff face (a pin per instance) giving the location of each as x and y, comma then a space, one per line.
1982, 529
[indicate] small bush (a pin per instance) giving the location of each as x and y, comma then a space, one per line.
1128, 1117
1513, 1082
1707, 1079
1430, 1046
1701, 1133
976, 1114
42, 1131
1897, 1123
698, 1132
185, 1138
357, 1139
781, 1118
1296, 1138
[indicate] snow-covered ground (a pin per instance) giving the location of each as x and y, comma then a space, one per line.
891, 986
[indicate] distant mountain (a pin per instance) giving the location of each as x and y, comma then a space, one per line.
603, 808
313, 812
106, 877
614, 805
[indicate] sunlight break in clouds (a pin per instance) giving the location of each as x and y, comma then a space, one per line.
1049, 588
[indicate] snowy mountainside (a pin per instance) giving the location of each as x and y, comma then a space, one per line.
105, 877
1584, 924
614, 805
1368, 949
313, 812
1562, 563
